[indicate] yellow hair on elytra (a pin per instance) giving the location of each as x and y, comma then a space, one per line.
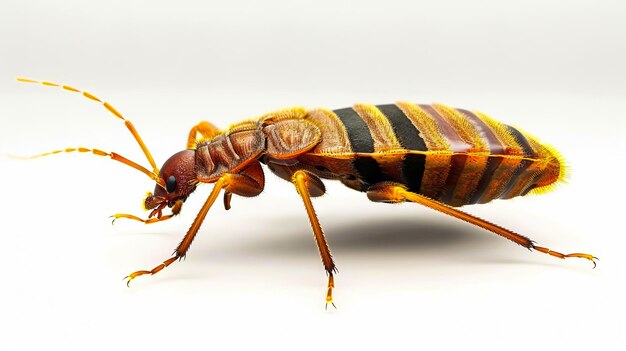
463, 127
380, 128
564, 172
429, 131
502, 133
556, 170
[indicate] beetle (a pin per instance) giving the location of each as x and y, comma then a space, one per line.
433, 155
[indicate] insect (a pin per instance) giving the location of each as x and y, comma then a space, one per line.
433, 155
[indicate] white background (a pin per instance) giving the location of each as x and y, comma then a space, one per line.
408, 278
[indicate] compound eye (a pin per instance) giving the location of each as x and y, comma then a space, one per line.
170, 185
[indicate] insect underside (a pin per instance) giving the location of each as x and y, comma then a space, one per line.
433, 155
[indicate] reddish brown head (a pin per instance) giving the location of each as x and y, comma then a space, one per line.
179, 178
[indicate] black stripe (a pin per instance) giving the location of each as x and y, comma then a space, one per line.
532, 185
521, 140
407, 134
358, 132
485, 180
524, 164
368, 169
413, 167
457, 165
528, 190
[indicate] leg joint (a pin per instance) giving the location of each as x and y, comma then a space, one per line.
387, 192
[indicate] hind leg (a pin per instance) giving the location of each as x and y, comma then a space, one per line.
394, 192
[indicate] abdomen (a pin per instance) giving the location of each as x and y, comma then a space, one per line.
453, 155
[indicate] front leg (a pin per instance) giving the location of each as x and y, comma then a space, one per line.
247, 183
138, 219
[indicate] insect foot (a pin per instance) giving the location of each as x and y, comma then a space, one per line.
564, 256
154, 270
329, 293
134, 275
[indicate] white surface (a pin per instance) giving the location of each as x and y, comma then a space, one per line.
408, 278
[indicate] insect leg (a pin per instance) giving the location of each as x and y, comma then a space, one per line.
110, 108
139, 219
245, 184
306, 183
206, 129
394, 193
155, 216
251, 184
227, 196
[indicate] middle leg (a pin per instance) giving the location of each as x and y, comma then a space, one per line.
206, 129
306, 183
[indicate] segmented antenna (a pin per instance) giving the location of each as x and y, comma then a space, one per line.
114, 156
110, 108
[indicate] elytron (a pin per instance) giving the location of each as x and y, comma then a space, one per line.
433, 155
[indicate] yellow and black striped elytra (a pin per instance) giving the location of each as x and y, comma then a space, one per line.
429, 154
386, 145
